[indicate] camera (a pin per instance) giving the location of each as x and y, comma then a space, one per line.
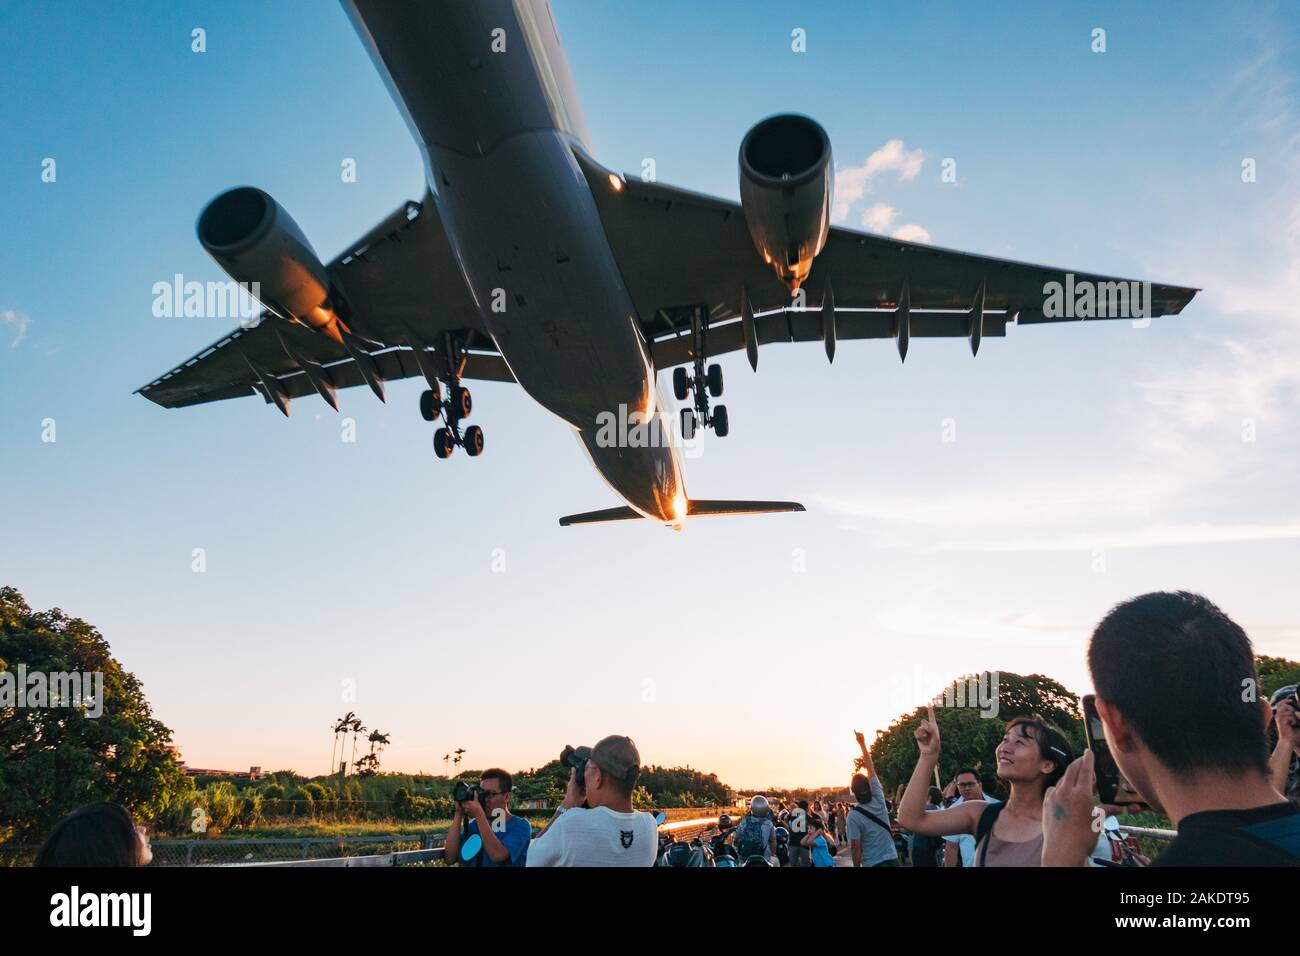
576, 757
468, 791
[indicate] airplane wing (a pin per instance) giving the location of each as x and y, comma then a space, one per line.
678, 249
404, 291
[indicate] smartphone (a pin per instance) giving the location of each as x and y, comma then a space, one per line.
1111, 785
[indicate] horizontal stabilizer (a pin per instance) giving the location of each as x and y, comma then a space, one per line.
598, 517
694, 509
699, 508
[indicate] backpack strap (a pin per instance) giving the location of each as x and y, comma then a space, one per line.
984, 829
873, 818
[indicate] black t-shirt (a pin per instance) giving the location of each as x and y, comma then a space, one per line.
1264, 836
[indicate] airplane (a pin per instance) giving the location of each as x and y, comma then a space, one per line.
528, 261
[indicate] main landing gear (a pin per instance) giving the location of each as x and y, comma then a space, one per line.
705, 382
455, 409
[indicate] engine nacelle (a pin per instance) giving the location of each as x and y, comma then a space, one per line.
785, 190
255, 241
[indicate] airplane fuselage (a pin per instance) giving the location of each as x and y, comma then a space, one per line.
486, 91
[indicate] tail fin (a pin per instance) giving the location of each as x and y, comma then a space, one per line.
694, 509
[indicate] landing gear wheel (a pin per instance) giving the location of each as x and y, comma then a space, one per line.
720, 424
681, 384
688, 424
461, 401
444, 442
715, 380
430, 405
473, 441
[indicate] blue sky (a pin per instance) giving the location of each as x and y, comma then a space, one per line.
1091, 462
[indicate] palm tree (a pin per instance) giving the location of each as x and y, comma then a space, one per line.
340, 727
380, 739
357, 728
446, 765
458, 751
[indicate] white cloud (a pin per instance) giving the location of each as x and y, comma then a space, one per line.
879, 217
17, 322
854, 182
912, 233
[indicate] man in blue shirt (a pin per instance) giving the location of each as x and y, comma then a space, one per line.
505, 836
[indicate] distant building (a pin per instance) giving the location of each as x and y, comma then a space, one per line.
253, 773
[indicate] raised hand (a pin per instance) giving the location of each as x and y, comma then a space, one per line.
927, 734
1071, 824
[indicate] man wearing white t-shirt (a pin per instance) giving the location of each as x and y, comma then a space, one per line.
606, 831
970, 787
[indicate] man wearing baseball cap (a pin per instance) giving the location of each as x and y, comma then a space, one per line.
603, 829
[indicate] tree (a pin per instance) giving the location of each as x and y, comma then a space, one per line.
357, 727
371, 760
56, 758
1275, 672
683, 787
341, 726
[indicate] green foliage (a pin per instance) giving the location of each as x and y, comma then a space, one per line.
319, 793
683, 787
54, 759
1275, 672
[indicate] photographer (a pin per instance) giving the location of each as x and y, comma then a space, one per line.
1284, 765
1175, 680
596, 825
486, 807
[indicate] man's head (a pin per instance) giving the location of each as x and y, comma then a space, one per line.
969, 785
496, 785
1177, 688
610, 775
860, 785
758, 805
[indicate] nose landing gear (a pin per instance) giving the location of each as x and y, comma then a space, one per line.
707, 381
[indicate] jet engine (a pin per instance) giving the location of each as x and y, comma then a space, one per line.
255, 241
785, 191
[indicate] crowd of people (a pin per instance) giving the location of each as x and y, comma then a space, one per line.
1176, 692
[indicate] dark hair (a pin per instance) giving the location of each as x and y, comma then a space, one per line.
1052, 743
98, 834
935, 796
990, 784
496, 773
1176, 667
970, 770
861, 787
